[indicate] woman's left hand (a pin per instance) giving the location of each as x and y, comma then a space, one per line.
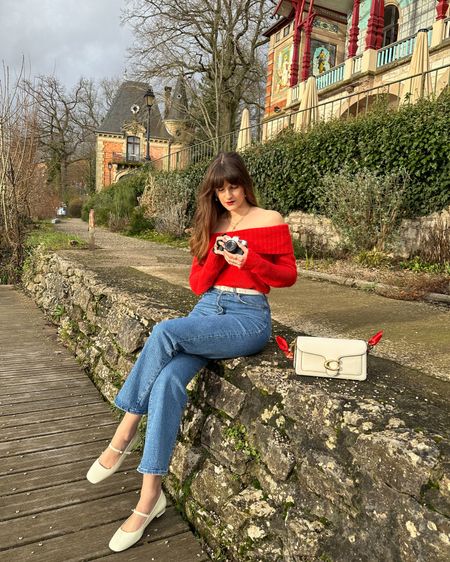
237, 260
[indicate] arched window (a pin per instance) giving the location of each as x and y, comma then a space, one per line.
390, 29
133, 149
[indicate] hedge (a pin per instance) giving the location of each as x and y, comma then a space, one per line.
288, 169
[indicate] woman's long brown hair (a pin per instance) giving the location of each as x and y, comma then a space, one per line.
227, 166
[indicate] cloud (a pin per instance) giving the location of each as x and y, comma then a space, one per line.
68, 38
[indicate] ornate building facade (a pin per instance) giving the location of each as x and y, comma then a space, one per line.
122, 137
353, 48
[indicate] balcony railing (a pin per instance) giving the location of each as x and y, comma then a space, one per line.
357, 64
399, 50
447, 28
331, 77
295, 93
121, 158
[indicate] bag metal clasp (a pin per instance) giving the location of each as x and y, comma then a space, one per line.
328, 364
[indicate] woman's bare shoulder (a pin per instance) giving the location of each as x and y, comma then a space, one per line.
266, 217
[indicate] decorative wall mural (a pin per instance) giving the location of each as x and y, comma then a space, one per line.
282, 69
326, 25
323, 56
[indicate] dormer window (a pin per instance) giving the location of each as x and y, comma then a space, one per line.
133, 149
390, 29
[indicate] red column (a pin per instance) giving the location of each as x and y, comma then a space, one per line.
374, 36
299, 6
371, 35
380, 24
354, 31
307, 51
293, 79
441, 9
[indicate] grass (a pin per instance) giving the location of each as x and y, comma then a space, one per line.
44, 234
154, 236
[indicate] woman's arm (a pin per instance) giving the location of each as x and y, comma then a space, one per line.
281, 272
204, 274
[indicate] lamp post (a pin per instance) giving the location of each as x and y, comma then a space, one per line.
149, 99
110, 168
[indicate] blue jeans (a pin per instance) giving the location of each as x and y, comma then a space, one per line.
222, 325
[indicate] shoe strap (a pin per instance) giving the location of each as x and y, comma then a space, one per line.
140, 513
114, 449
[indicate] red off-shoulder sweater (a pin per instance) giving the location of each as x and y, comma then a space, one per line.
270, 262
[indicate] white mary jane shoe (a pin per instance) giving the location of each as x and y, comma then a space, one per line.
97, 472
122, 540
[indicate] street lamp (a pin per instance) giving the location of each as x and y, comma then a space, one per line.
149, 99
110, 168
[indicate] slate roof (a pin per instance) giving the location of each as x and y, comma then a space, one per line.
179, 102
132, 93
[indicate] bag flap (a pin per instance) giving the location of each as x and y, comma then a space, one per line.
331, 348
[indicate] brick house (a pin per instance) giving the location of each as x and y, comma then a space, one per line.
121, 141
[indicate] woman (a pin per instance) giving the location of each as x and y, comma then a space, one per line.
231, 319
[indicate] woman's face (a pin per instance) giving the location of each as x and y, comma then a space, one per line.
231, 196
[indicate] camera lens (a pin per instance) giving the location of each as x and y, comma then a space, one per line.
230, 246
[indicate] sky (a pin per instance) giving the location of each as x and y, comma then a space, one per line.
65, 38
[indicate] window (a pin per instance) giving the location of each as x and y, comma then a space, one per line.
277, 36
133, 149
390, 29
286, 30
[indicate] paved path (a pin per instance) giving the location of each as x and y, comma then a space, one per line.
54, 423
416, 334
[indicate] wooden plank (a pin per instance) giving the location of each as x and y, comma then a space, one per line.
47, 405
53, 457
17, 420
40, 395
92, 543
50, 427
59, 440
73, 518
18, 388
173, 549
33, 479
70, 493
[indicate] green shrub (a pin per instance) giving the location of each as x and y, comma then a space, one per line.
139, 223
373, 258
115, 206
418, 265
365, 208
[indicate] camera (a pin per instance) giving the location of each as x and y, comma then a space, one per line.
231, 245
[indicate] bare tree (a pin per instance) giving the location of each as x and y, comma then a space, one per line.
18, 166
67, 121
218, 44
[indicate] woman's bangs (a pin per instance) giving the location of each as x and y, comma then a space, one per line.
222, 175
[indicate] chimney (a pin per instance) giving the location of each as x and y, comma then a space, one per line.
167, 100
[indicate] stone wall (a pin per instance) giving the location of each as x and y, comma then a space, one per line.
270, 466
315, 231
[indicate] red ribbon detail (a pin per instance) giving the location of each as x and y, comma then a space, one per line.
375, 339
284, 346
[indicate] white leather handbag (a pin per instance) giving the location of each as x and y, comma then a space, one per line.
330, 357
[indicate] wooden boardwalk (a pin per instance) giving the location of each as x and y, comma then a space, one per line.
53, 424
